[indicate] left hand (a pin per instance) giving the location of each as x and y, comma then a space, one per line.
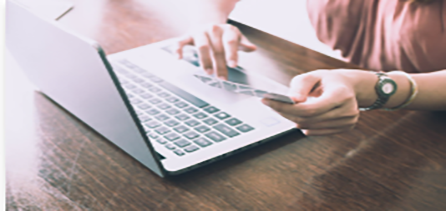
325, 101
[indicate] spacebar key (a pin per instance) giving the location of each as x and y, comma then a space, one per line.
183, 94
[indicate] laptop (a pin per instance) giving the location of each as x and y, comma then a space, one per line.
143, 100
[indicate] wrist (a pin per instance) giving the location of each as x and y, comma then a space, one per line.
363, 83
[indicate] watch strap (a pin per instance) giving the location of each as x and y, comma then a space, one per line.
382, 98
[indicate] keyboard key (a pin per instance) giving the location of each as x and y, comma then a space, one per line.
173, 111
138, 69
155, 101
147, 75
190, 110
161, 140
245, 128
153, 135
144, 118
146, 95
181, 104
183, 94
200, 115
137, 91
129, 86
152, 112
192, 123
202, 129
152, 124
214, 136
164, 94
162, 117
127, 63
179, 152
226, 130
146, 85
202, 142
170, 146
119, 69
171, 123
138, 80
182, 143
154, 89
146, 129
155, 79
135, 101
210, 121
222, 115
162, 130
144, 106
182, 117
181, 129
131, 76
139, 113
191, 135
191, 148
172, 136
129, 95
233, 122
211, 109
172, 99
163, 106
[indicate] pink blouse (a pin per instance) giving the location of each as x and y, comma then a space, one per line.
383, 34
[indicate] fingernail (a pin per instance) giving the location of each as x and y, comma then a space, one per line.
265, 102
299, 98
222, 78
208, 71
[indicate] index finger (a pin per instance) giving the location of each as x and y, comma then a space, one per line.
312, 107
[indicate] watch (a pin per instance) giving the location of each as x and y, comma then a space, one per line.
385, 88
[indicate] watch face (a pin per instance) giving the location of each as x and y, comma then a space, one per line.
388, 88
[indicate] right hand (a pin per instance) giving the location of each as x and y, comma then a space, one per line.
217, 46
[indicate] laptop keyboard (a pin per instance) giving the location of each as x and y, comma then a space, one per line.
173, 117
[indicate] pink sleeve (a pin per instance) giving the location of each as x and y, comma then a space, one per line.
383, 35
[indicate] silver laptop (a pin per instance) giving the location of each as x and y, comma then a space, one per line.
143, 100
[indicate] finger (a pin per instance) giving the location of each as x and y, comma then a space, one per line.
346, 111
245, 45
297, 109
333, 96
231, 40
302, 85
281, 108
181, 42
323, 132
215, 35
203, 46
330, 124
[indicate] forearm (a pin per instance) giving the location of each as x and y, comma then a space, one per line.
431, 90
209, 11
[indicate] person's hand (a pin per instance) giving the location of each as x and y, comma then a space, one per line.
217, 46
325, 101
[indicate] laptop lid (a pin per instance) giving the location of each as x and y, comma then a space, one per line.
74, 72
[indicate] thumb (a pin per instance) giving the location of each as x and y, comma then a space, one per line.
246, 45
302, 85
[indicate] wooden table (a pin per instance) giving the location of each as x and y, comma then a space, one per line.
391, 161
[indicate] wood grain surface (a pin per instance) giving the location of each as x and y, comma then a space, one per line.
390, 161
